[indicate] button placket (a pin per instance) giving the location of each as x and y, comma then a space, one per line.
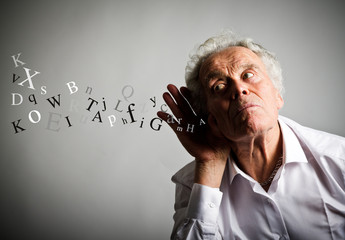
275, 219
282, 237
211, 205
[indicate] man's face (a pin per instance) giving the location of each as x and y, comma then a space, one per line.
239, 93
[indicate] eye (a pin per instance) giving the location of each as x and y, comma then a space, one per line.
219, 87
247, 75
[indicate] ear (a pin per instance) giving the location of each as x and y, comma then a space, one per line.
212, 122
280, 101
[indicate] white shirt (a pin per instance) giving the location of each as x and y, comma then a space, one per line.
306, 199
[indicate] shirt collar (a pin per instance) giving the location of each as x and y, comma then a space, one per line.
235, 170
292, 149
292, 152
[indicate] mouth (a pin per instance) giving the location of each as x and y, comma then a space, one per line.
246, 106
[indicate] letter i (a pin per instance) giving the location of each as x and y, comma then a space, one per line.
69, 123
142, 122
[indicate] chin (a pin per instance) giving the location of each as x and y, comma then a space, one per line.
255, 124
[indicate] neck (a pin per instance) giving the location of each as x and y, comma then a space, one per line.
257, 155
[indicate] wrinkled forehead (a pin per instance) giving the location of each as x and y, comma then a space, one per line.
231, 59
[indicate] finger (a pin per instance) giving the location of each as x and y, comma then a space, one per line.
186, 93
169, 119
180, 99
172, 105
163, 115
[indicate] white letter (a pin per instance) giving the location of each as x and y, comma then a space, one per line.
13, 99
27, 70
191, 128
72, 87
112, 120
16, 60
163, 109
38, 116
178, 120
44, 90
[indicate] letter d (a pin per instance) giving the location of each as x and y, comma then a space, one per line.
14, 99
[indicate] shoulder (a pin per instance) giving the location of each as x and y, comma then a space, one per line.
319, 142
185, 175
324, 151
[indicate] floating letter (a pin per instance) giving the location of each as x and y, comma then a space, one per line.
54, 101
159, 125
14, 98
98, 116
27, 71
38, 116
123, 92
154, 101
130, 110
72, 87
56, 121
112, 120
16, 59
15, 125
190, 127
92, 101
14, 77
32, 98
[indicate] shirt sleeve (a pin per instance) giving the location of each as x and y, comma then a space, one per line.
196, 212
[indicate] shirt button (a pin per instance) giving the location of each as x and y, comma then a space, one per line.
211, 205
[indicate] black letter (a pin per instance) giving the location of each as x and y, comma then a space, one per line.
91, 103
130, 110
98, 115
54, 101
15, 125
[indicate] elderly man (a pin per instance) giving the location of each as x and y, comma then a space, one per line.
256, 175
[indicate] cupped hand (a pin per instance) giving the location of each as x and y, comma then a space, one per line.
199, 136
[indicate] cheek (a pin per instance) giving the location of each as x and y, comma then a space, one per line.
219, 109
280, 101
272, 98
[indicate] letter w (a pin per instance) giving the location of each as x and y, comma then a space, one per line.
52, 102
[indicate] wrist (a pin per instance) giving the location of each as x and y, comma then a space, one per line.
209, 173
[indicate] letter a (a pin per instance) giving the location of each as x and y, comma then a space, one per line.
98, 116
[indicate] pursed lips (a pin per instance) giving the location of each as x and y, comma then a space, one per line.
246, 106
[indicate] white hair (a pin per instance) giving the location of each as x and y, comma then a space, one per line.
217, 44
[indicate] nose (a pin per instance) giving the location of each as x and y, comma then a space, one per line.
238, 89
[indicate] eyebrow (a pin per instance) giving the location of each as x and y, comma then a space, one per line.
219, 74
248, 66
213, 75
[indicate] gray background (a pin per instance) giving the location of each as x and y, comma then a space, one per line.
93, 181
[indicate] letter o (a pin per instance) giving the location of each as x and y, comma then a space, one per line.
38, 116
